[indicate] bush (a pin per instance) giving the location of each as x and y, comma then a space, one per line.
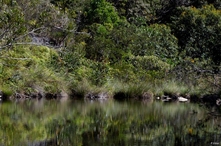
23, 68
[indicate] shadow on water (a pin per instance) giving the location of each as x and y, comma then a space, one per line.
49, 123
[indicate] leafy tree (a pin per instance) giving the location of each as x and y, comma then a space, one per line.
44, 20
101, 11
143, 12
99, 17
12, 23
139, 12
154, 40
169, 8
199, 32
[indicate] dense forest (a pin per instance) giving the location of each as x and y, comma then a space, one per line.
115, 47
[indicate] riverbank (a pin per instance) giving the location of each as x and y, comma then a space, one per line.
39, 72
146, 97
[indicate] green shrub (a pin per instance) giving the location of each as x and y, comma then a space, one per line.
26, 67
152, 65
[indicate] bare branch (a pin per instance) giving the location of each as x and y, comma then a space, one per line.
2, 35
30, 32
17, 58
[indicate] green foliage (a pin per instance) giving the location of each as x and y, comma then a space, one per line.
12, 24
41, 13
100, 17
150, 64
101, 12
26, 67
67, 5
154, 40
94, 72
139, 12
198, 32
123, 71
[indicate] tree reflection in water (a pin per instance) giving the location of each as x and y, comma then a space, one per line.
109, 123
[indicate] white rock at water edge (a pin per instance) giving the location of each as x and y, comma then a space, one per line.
182, 99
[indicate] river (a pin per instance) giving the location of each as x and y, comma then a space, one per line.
86, 123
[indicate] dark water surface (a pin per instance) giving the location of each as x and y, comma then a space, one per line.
79, 123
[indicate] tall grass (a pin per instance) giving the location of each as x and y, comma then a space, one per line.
130, 90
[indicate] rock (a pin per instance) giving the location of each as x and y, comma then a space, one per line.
166, 98
158, 98
147, 97
97, 96
63, 96
182, 99
173, 96
51, 142
36, 95
218, 102
91, 96
103, 96
1, 96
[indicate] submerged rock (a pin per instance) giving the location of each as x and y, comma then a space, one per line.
218, 102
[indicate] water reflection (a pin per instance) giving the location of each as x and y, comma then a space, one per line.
109, 123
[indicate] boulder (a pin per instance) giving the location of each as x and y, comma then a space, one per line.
182, 99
